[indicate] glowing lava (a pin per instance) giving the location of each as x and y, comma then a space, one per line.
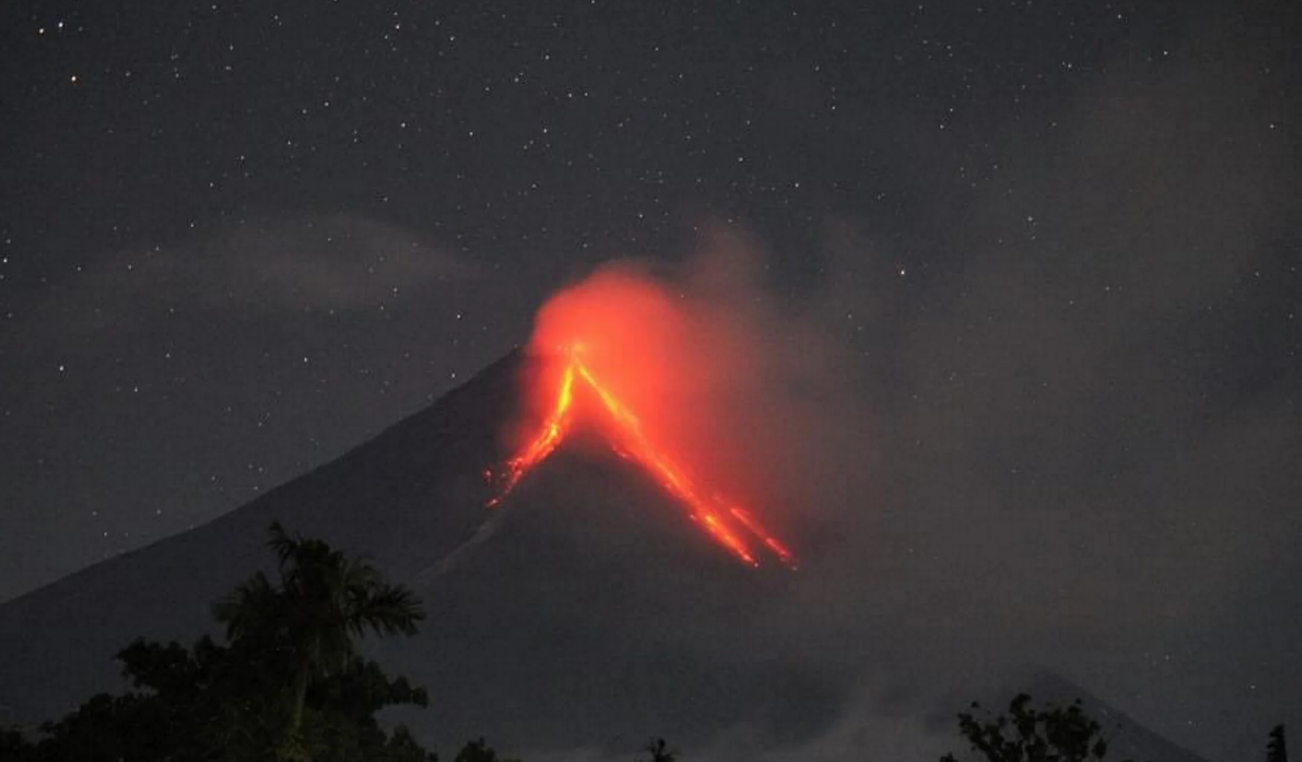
725, 523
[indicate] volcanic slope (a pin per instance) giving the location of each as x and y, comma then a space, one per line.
405, 498
1127, 738
585, 608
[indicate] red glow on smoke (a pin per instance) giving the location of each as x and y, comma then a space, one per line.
617, 340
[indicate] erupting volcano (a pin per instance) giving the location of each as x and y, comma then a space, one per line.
609, 345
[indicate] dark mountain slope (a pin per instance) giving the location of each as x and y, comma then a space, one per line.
597, 611
1127, 739
405, 498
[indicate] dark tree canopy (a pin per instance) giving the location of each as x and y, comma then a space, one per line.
479, 751
1028, 734
287, 685
309, 618
659, 751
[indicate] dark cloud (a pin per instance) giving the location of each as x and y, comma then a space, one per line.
337, 262
270, 268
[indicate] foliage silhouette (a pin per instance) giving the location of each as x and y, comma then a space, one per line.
1027, 734
14, 746
324, 599
1277, 749
479, 751
659, 751
288, 685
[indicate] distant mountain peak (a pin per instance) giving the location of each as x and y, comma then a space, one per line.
1127, 738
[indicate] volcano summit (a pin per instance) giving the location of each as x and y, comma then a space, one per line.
717, 516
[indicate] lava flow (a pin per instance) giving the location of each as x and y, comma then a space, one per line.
726, 524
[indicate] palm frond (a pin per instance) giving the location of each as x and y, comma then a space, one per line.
252, 606
386, 610
285, 547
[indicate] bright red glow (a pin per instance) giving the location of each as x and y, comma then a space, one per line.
615, 347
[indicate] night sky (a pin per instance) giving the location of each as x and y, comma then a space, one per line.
1057, 245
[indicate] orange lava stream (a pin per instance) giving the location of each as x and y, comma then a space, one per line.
773, 544
711, 515
553, 431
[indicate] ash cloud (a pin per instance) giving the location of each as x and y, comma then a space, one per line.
1089, 427
722, 378
1074, 449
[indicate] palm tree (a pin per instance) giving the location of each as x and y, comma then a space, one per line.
323, 601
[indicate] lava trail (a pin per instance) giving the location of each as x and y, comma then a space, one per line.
725, 523
553, 432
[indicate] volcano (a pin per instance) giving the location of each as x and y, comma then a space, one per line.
586, 609
540, 609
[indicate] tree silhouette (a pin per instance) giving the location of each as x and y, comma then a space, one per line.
14, 746
288, 685
1277, 750
1026, 734
659, 751
222, 703
479, 751
323, 600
